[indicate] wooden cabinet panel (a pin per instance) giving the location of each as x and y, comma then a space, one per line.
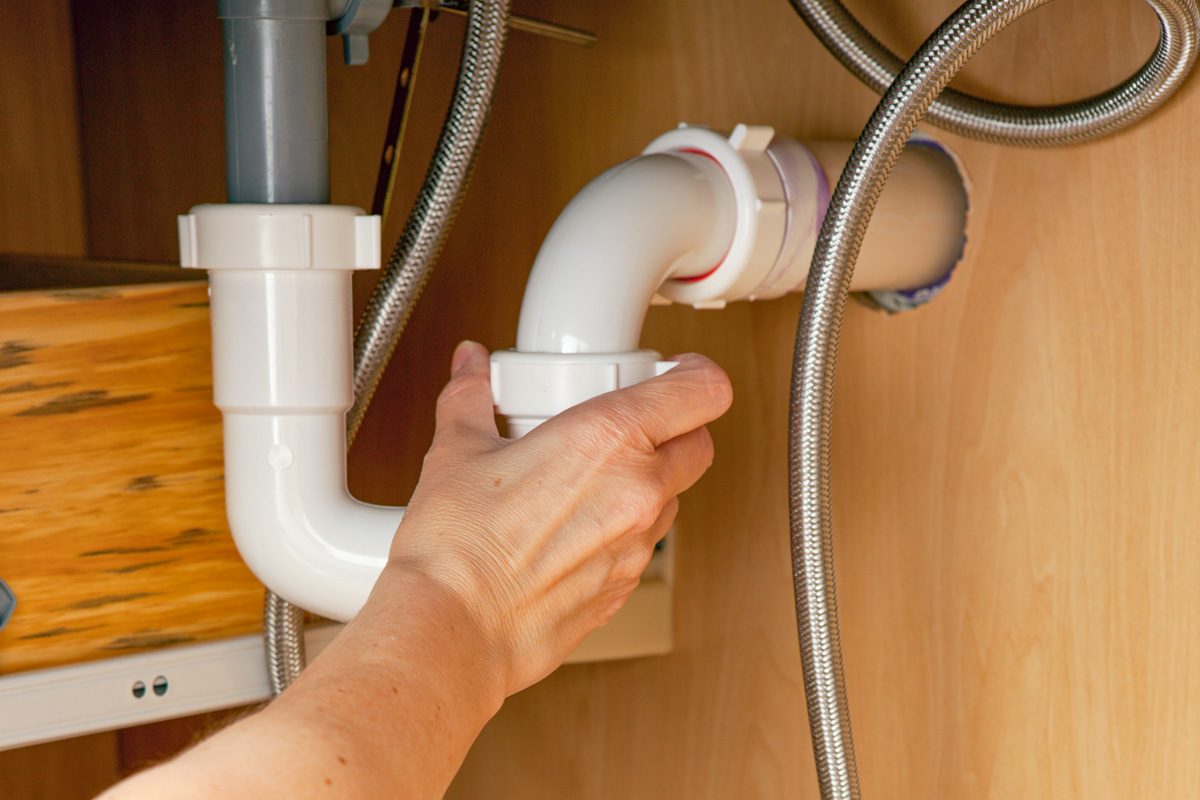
114, 527
1014, 465
153, 131
75, 769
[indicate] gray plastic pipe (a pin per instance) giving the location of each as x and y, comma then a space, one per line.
276, 132
811, 407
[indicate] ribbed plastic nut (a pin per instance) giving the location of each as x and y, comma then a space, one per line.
540, 385
245, 236
761, 204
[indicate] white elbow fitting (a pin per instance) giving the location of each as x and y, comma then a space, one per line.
280, 291
704, 220
613, 246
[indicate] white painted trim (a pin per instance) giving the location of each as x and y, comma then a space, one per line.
42, 705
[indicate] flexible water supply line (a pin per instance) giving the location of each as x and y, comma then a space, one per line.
1003, 123
811, 405
283, 634
407, 272
412, 260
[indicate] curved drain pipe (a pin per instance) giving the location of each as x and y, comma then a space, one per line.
697, 219
705, 220
280, 296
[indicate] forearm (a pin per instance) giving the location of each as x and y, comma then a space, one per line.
389, 709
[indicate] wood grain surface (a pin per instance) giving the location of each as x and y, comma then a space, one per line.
114, 529
42, 212
151, 111
1015, 465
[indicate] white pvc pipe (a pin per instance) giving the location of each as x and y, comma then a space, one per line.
699, 219
280, 291
704, 220
623, 235
282, 379
917, 233
296, 525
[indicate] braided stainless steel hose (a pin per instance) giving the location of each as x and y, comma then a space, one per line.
283, 632
408, 271
412, 260
1003, 123
811, 406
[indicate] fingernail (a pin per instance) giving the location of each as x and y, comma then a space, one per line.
462, 354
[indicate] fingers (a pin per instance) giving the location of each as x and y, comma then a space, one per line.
658, 410
684, 459
633, 557
465, 405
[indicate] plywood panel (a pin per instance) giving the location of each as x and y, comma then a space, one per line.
42, 212
114, 530
41, 195
150, 101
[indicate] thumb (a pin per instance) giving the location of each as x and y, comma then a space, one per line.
465, 405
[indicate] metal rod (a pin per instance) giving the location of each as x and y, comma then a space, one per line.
410, 59
551, 30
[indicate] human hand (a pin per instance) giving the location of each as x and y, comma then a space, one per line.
542, 539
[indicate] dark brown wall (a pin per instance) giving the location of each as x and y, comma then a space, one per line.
41, 196
150, 109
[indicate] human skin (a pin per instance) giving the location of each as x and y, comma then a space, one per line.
511, 551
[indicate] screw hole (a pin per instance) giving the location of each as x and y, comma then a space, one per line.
139, 689
160, 686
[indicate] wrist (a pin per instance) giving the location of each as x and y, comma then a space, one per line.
409, 605
411, 673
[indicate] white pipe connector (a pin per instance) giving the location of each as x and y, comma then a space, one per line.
280, 292
704, 220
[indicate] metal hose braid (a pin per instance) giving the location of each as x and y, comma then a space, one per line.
837, 248
1003, 123
408, 270
283, 632
412, 260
